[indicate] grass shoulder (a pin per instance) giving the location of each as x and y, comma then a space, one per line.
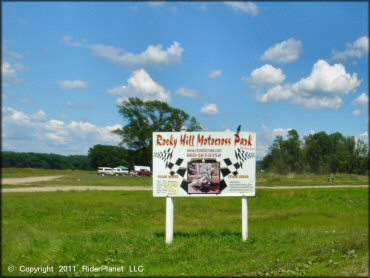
72, 177
291, 233
79, 177
271, 179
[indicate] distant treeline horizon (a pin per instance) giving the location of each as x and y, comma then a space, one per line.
44, 160
317, 153
58, 161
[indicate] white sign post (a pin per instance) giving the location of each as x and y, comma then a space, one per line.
203, 164
169, 219
245, 218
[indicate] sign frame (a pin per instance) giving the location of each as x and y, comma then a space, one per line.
181, 161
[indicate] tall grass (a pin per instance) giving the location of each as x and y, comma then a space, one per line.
296, 232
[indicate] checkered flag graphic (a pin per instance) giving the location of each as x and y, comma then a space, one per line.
165, 155
243, 155
175, 168
231, 168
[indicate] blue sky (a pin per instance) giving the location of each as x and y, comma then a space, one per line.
269, 66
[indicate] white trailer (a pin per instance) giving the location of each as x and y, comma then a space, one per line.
138, 168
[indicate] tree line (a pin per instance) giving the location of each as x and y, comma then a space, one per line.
318, 153
98, 155
44, 160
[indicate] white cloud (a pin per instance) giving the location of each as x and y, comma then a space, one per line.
141, 85
72, 84
215, 73
16, 117
55, 125
39, 116
328, 80
154, 54
323, 88
187, 92
157, 3
244, 7
276, 93
357, 112
166, 5
11, 54
38, 133
284, 52
55, 138
317, 102
363, 137
266, 75
357, 49
10, 72
71, 42
210, 109
10, 67
362, 99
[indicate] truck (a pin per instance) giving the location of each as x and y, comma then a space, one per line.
144, 172
119, 171
105, 171
141, 171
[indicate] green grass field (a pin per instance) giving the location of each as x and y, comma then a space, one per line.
78, 177
269, 179
310, 232
73, 177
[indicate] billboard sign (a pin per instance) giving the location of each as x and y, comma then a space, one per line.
199, 164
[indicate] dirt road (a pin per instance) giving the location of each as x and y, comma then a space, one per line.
150, 188
28, 179
77, 188
124, 188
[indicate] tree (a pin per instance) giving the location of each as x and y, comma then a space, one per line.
362, 158
109, 156
294, 157
316, 151
145, 117
285, 155
320, 153
275, 160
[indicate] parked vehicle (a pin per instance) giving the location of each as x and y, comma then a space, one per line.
144, 172
138, 168
133, 173
105, 171
120, 171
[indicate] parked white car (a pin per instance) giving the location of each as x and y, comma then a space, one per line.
105, 171
120, 171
